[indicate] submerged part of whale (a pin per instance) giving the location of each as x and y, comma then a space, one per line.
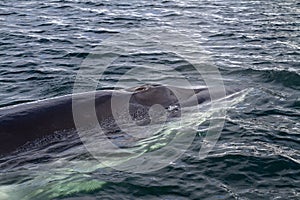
25, 123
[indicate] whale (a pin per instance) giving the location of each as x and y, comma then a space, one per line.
25, 123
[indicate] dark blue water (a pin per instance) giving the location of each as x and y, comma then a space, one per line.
254, 44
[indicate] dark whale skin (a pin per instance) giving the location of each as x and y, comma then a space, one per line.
24, 123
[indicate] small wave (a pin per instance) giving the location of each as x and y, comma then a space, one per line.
76, 54
286, 77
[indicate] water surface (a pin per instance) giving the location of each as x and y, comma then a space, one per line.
254, 44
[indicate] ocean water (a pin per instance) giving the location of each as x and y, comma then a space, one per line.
48, 49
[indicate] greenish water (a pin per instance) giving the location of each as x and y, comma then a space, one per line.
254, 44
